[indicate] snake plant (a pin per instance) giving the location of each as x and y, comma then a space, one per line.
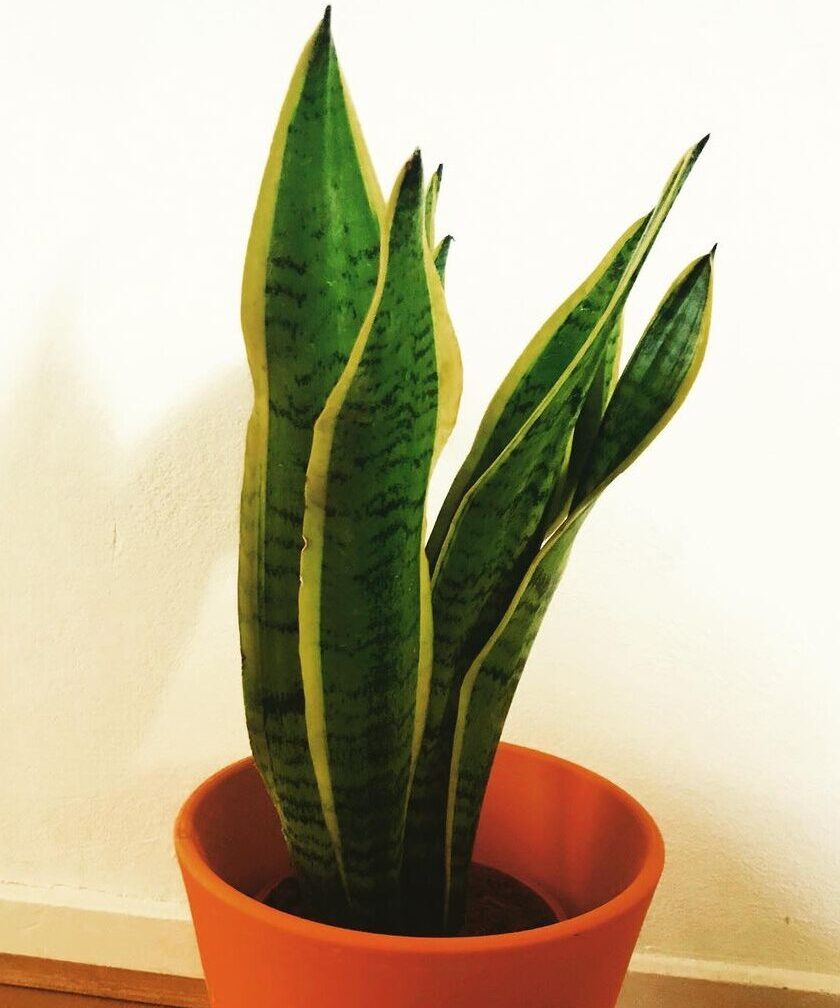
378, 662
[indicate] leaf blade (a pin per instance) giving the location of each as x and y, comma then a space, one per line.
365, 610
667, 359
557, 342
442, 256
489, 686
301, 243
657, 378
469, 595
533, 374
495, 523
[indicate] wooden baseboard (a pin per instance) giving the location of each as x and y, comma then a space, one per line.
28, 982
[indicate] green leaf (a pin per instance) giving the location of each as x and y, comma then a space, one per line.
586, 428
532, 376
432, 193
656, 379
555, 345
449, 354
651, 389
441, 250
495, 529
365, 606
490, 536
441, 256
310, 272
485, 697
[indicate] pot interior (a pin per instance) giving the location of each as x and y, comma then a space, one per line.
572, 836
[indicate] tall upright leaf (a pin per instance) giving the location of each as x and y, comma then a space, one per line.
648, 393
310, 273
365, 606
495, 528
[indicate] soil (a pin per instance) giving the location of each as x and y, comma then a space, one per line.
497, 903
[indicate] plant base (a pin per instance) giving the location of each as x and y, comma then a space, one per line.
497, 903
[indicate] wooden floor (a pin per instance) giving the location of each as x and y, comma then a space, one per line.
40, 983
646, 991
27, 982
665, 992
27, 997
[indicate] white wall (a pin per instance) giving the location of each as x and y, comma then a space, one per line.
691, 652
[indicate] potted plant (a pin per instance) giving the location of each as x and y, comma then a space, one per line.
382, 848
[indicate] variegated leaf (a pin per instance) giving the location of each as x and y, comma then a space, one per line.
495, 527
654, 384
365, 607
310, 272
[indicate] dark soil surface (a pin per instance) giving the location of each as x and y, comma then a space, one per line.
496, 904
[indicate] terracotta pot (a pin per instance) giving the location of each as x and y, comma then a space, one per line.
569, 834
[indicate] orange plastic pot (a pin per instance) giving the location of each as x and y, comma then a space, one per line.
571, 835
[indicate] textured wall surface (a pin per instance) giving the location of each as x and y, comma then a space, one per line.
691, 652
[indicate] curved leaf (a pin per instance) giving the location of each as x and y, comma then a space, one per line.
545, 358
556, 343
648, 393
496, 527
656, 380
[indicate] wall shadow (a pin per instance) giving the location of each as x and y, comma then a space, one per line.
106, 553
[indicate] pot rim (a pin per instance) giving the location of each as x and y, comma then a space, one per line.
640, 888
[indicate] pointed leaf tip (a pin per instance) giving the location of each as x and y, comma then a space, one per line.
410, 180
323, 33
702, 143
713, 250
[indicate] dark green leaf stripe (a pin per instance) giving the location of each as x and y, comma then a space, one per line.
654, 384
365, 610
310, 272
